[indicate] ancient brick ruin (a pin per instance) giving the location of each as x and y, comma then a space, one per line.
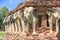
33, 20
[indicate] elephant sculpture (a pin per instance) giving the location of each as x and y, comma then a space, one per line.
54, 16
30, 18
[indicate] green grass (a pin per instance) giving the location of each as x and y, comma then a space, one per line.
2, 34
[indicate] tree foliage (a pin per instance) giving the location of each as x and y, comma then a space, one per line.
3, 12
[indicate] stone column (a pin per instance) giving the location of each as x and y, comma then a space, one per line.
12, 27
57, 26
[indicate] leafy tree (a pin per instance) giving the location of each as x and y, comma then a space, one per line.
3, 12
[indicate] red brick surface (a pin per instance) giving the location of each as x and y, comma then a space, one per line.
39, 36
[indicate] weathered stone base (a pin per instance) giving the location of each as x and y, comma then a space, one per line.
12, 36
9, 36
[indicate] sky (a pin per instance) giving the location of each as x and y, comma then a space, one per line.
10, 4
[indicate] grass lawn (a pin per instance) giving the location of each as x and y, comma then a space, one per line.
2, 34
